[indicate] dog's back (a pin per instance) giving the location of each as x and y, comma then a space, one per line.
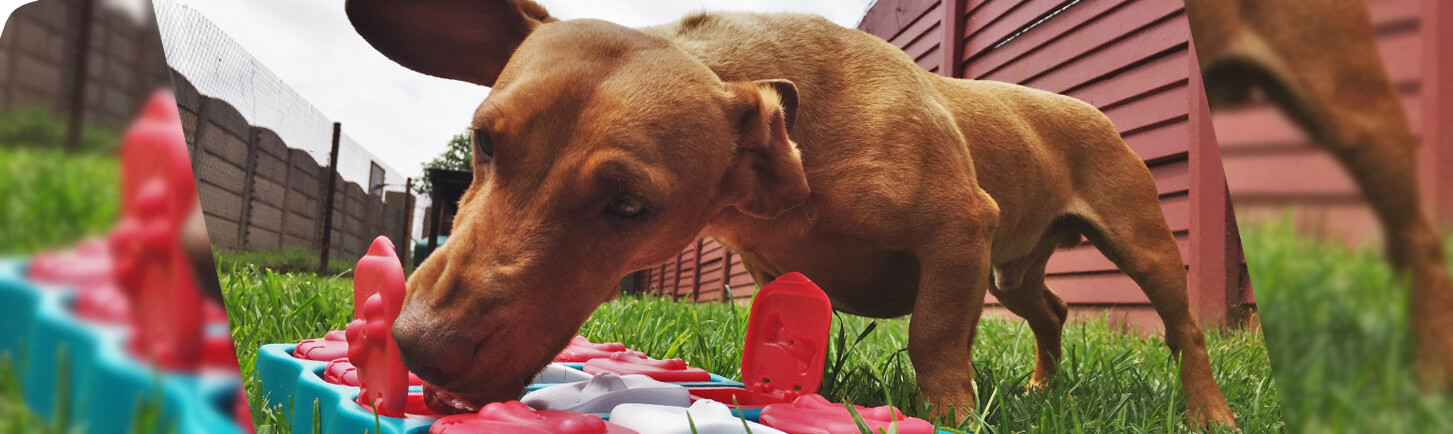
859, 93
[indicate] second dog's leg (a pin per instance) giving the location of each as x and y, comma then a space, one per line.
1040, 307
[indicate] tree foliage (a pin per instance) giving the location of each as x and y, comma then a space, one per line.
458, 155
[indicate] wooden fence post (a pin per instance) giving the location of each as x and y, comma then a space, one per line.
282, 235
953, 38
249, 178
328, 201
1207, 278
696, 274
407, 221
676, 281
726, 273
1436, 153
203, 119
77, 118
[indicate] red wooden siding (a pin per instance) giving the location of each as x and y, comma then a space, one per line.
1132, 59
1271, 164
678, 278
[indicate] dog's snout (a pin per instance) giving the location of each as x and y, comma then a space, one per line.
431, 351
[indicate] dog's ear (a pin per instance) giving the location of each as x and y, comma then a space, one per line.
766, 177
467, 40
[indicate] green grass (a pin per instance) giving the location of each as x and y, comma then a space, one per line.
1112, 382
1336, 321
34, 127
53, 198
266, 307
290, 260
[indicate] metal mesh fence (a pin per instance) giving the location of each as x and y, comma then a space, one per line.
260, 151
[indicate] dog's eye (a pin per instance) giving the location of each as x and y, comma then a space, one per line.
624, 206
482, 143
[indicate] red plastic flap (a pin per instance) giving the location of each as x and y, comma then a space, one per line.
813, 414
581, 350
105, 304
86, 267
382, 376
516, 417
333, 345
786, 342
342, 372
733, 397
635, 362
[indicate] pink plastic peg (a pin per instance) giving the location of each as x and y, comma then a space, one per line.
371, 348
635, 362
342, 372
581, 350
334, 345
813, 414
516, 417
85, 268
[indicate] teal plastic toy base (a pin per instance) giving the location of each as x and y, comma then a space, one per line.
298, 384
62, 359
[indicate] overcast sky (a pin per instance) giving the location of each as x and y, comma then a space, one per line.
402, 116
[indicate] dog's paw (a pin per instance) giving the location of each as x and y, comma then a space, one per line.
1212, 420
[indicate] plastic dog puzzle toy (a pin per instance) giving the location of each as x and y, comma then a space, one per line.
605, 391
707, 417
582, 350
383, 379
786, 346
673, 370
331, 346
516, 417
341, 371
121, 318
813, 414
556, 373
582, 392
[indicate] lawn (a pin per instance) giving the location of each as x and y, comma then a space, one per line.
1113, 382
1336, 323
51, 198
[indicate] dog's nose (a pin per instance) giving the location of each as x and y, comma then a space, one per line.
432, 352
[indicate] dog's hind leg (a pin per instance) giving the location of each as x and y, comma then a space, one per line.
1348, 105
1333, 85
1128, 227
1045, 312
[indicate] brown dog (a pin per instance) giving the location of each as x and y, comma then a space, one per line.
802, 145
1317, 60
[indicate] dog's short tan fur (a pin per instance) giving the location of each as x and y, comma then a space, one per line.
899, 191
1317, 59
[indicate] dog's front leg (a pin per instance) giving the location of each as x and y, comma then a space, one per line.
954, 276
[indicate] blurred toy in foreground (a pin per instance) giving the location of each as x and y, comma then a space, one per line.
115, 325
